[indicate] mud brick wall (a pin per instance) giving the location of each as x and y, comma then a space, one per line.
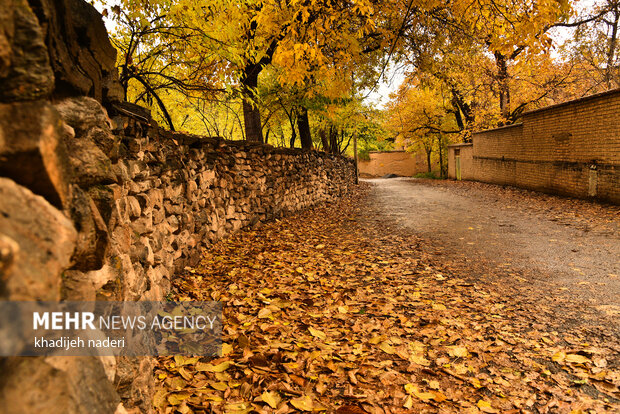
489, 152
569, 149
98, 203
397, 162
466, 154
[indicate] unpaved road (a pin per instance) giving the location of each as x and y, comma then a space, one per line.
559, 255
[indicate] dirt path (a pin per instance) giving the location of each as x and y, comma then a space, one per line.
556, 253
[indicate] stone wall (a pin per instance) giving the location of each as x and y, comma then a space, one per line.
98, 203
569, 149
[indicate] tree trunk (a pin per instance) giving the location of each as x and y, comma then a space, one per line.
611, 52
333, 140
324, 141
429, 151
251, 113
462, 112
357, 177
504, 88
439, 145
457, 112
293, 131
304, 129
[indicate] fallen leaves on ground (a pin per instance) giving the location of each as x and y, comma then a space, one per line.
325, 311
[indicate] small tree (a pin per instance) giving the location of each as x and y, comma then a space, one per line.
422, 119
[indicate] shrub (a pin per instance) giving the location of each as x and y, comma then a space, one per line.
363, 155
431, 175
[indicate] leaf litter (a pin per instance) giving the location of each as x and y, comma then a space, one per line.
326, 311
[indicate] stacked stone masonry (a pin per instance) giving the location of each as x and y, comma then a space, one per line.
570, 149
98, 203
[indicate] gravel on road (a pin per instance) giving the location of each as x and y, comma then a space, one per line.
560, 255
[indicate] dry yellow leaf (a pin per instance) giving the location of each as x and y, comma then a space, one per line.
424, 396
220, 386
272, 398
237, 408
486, 407
185, 373
434, 384
408, 402
159, 399
177, 383
223, 366
475, 382
303, 403
316, 333
558, 356
375, 339
458, 351
419, 359
577, 359
387, 348
226, 349
439, 396
177, 398
264, 313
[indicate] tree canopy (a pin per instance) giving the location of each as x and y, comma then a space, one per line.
296, 72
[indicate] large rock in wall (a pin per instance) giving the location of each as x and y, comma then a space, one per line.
81, 55
33, 152
39, 241
99, 207
56, 385
25, 73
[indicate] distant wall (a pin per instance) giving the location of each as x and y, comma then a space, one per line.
569, 149
394, 162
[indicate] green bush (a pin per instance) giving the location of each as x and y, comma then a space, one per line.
430, 175
363, 155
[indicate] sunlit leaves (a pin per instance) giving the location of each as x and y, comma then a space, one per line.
221, 367
352, 329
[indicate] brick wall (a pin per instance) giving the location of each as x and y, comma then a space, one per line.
466, 156
571, 149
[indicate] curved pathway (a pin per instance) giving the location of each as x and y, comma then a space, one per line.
561, 255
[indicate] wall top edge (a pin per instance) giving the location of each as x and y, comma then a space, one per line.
385, 152
574, 101
484, 131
